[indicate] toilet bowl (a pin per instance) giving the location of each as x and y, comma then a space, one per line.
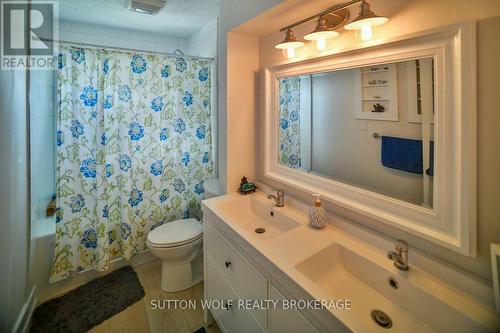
178, 244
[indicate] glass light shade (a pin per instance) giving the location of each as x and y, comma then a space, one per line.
365, 21
366, 32
320, 44
315, 35
289, 45
371, 21
290, 41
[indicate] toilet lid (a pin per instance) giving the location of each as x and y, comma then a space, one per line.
175, 232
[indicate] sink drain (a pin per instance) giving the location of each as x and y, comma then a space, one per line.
260, 230
393, 283
381, 319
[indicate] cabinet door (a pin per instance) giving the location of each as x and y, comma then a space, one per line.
243, 277
291, 320
230, 319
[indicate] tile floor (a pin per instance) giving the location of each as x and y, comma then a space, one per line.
140, 317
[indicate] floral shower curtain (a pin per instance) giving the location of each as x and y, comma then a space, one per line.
289, 149
133, 150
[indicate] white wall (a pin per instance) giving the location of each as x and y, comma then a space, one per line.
14, 226
42, 151
203, 43
115, 37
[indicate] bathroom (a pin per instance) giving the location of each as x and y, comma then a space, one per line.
250, 166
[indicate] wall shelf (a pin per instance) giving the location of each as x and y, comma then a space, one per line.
377, 85
367, 71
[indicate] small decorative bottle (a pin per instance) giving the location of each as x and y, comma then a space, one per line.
317, 214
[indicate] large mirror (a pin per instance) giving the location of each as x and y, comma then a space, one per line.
371, 127
386, 133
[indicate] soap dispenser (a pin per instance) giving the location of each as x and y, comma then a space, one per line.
317, 214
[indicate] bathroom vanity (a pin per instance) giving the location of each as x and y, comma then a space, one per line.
378, 131
292, 261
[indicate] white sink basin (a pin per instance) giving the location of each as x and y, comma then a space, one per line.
342, 273
251, 212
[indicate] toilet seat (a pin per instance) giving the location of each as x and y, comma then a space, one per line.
175, 233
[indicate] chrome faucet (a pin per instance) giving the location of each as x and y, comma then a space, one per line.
279, 197
400, 257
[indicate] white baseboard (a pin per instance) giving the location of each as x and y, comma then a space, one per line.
24, 318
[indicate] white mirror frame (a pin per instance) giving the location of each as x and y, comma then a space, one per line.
452, 220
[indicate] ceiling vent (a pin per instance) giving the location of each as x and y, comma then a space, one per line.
149, 7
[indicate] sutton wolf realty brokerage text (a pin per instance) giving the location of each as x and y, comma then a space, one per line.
267, 304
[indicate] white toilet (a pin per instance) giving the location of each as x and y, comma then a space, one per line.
179, 245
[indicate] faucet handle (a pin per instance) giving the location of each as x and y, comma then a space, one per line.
401, 245
392, 255
278, 191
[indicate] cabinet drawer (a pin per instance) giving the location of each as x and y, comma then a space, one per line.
231, 319
245, 279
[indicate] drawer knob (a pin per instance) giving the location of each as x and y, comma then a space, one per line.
228, 306
227, 263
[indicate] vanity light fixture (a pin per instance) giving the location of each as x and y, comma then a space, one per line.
290, 43
321, 33
365, 21
330, 20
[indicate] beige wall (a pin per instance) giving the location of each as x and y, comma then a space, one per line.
407, 16
232, 14
242, 66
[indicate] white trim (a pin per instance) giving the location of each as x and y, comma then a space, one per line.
495, 274
452, 220
22, 324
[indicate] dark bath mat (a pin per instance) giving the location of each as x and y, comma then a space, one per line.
200, 330
89, 305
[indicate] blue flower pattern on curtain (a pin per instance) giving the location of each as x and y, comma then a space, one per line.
289, 125
133, 150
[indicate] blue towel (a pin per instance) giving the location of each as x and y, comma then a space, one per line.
405, 154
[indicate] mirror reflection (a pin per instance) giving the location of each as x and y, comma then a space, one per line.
371, 127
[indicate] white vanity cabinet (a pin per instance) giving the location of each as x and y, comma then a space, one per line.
242, 277
289, 320
230, 276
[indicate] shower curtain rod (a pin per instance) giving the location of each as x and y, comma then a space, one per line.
126, 49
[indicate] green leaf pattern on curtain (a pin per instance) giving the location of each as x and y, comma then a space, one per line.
133, 150
289, 135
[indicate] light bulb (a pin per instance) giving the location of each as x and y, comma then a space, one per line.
290, 52
320, 44
366, 31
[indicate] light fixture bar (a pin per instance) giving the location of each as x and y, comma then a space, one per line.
323, 13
